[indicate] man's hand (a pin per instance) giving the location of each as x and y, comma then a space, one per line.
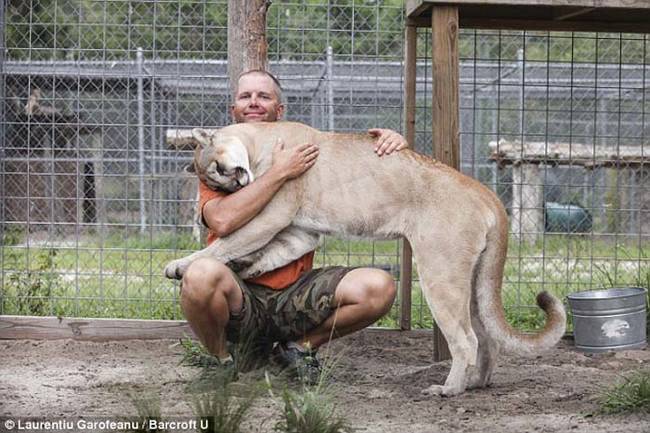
291, 163
388, 141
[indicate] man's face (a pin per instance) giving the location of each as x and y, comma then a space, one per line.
256, 100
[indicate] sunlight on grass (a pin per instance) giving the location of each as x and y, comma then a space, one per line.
121, 276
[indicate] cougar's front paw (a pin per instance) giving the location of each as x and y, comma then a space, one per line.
176, 268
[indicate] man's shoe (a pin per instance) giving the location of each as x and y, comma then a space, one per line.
300, 361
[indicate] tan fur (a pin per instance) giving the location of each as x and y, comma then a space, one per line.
456, 226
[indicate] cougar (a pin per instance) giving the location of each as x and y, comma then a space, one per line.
457, 227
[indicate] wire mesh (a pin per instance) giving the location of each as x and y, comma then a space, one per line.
94, 201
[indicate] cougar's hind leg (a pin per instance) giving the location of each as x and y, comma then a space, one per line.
488, 351
446, 285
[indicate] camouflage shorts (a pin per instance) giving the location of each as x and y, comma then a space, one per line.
285, 315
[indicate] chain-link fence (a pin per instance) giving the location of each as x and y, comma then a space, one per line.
94, 201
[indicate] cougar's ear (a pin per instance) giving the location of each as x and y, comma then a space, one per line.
201, 136
190, 168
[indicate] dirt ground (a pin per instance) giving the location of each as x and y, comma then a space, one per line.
376, 383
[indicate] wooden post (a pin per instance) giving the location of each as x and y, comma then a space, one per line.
444, 120
527, 221
247, 48
406, 270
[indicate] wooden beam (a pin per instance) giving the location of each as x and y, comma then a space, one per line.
444, 120
410, 65
55, 328
88, 329
551, 25
415, 8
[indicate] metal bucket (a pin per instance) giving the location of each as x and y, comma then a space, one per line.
612, 319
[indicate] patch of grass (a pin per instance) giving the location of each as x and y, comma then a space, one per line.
149, 406
196, 355
632, 395
31, 291
309, 411
218, 405
120, 275
161, 241
249, 354
11, 235
309, 408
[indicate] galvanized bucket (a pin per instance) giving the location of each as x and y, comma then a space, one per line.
611, 319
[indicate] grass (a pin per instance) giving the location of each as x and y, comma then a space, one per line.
220, 410
222, 404
310, 408
631, 395
309, 411
196, 355
148, 406
221, 399
120, 276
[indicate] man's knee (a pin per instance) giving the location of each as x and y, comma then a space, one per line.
203, 278
372, 287
381, 287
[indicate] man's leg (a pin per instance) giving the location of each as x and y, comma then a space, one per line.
362, 297
209, 295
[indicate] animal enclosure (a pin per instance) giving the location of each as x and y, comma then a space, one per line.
94, 201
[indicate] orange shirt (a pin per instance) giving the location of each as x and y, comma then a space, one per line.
277, 279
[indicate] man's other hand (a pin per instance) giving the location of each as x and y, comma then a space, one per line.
388, 141
291, 163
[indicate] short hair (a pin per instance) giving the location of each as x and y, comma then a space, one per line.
276, 82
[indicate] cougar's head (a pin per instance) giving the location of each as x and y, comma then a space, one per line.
221, 160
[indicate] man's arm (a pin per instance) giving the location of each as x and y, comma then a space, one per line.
227, 214
388, 141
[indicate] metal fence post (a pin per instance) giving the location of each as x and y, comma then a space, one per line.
330, 89
141, 155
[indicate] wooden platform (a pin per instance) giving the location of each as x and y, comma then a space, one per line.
574, 154
625, 16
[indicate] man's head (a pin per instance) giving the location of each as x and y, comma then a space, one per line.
258, 98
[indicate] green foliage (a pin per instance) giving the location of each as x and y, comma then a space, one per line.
121, 276
88, 29
196, 355
149, 407
33, 289
11, 235
310, 411
220, 408
161, 241
632, 395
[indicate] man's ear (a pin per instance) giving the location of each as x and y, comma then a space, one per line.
190, 168
201, 135
280, 112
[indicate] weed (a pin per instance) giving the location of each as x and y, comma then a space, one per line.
310, 411
148, 406
34, 288
11, 235
217, 406
195, 355
633, 395
250, 353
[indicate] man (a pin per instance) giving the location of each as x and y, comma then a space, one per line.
296, 306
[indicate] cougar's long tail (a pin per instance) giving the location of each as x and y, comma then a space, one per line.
489, 277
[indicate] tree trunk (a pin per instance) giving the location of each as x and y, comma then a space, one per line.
247, 48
